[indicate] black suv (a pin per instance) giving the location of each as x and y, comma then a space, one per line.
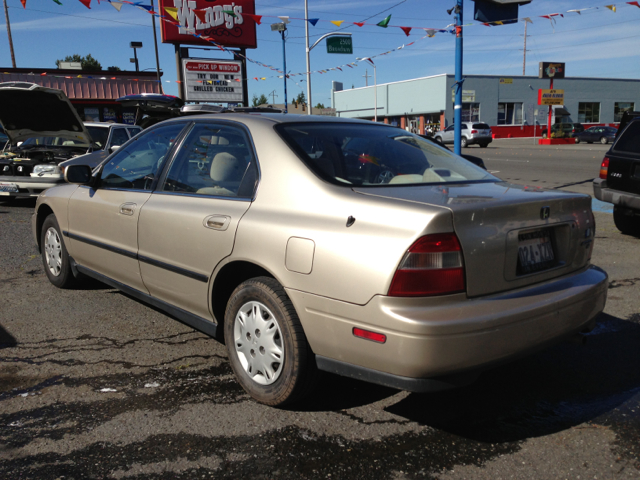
569, 129
619, 181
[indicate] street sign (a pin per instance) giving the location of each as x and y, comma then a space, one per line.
212, 80
468, 96
340, 45
550, 97
550, 70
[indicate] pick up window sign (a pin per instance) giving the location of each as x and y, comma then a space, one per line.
212, 80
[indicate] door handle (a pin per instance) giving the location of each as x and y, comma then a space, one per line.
217, 222
128, 208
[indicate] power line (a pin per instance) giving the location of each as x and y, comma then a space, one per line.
84, 17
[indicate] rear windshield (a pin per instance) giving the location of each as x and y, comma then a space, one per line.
481, 126
375, 155
629, 141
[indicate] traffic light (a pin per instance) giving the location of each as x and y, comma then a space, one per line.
505, 11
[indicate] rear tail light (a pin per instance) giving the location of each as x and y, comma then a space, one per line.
474, 131
604, 168
432, 266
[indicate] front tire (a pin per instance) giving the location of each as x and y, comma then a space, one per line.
439, 140
577, 139
55, 258
267, 347
629, 224
463, 142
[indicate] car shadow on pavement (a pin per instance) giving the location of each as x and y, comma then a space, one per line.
548, 392
6, 339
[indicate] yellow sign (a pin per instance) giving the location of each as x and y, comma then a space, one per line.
506, 80
550, 97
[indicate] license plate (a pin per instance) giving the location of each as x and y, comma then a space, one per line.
7, 188
535, 252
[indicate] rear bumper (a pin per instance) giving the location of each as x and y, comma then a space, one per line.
617, 197
477, 140
429, 338
30, 186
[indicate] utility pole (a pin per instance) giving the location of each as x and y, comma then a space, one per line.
155, 43
306, 36
524, 56
273, 97
6, 15
366, 77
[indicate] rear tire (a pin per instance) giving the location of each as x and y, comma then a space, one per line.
604, 140
629, 224
268, 349
544, 135
463, 142
55, 258
577, 139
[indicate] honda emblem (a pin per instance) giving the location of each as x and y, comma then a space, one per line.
545, 212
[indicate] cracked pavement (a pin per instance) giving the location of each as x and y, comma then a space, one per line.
94, 384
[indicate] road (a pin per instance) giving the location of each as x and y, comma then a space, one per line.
94, 384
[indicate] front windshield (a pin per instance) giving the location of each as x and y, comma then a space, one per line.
376, 155
53, 142
99, 135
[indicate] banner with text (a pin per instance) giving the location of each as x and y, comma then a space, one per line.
212, 80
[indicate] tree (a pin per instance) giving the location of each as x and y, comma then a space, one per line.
301, 98
113, 69
259, 100
88, 63
319, 105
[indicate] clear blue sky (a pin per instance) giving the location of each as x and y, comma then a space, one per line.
597, 43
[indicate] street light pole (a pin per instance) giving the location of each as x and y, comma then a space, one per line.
331, 34
306, 34
457, 109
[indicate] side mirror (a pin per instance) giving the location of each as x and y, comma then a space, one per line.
78, 174
113, 148
475, 160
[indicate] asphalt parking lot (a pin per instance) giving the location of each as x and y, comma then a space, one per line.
94, 384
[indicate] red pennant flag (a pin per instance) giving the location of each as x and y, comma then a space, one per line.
256, 18
255, 78
339, 68
634, 3
360, 24
409, 44
406, 30
86, 3
24, 3
200, 14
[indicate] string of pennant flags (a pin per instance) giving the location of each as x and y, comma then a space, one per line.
171, 16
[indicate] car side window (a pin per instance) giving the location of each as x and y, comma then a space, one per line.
134, 131
215, 160
463, 127
135, 166
449, 129
119, 137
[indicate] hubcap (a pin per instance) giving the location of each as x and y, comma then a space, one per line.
53, 251
258, 343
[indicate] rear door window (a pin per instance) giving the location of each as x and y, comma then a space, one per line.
629, 141
481, 126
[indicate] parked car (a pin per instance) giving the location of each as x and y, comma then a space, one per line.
619, 180
603, 135
568, 129
312, 242
626, 118
471, 133
107, 137
472, 158
43, 130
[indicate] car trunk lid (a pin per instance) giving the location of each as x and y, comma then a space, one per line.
511, 235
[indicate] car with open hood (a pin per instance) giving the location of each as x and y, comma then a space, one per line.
43, 130
316, 243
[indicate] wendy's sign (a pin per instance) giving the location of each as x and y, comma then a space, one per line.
224, 22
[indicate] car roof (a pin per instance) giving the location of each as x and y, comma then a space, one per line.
107, 124
273, 118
